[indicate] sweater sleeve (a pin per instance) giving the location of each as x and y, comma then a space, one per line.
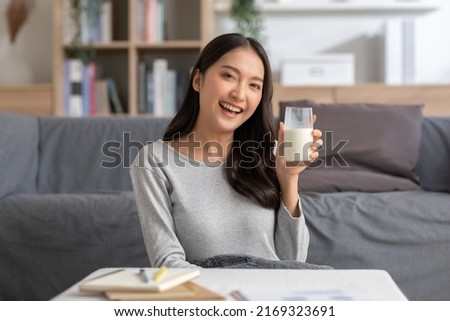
291, 235
152, 192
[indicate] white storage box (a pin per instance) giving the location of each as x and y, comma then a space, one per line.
318, 70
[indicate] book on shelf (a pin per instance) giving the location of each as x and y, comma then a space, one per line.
150, 93
160, 21
89, 101
139, 16
102, 98
106, 21
74, 94
85, 91
67, 90
160, 67
150, 21
160, 89
116, 103
80, 88
91, 106
142, 87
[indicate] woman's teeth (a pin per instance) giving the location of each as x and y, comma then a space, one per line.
231, 108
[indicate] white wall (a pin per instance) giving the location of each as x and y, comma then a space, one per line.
433, 46
293, 33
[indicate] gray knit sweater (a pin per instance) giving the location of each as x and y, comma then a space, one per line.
188, 211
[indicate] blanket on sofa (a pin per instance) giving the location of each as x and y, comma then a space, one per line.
230, 261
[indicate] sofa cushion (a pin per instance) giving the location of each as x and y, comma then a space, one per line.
92, 153
18, 153
364, 141
49, 242
434, 161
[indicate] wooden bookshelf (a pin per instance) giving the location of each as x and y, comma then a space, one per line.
33, 99
191, 24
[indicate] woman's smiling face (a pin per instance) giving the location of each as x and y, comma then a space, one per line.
230, 90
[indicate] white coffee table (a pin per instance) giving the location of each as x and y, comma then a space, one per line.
358, 284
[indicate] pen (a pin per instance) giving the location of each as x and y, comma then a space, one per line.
160, 273
105, 274
144, 275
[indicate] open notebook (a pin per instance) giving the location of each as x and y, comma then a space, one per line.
130, 279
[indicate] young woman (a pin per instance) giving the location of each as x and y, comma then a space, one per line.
215, 184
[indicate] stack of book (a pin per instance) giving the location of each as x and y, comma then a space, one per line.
149, 284
150, 21
160, 89
85, 95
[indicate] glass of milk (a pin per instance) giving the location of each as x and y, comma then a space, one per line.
298, 127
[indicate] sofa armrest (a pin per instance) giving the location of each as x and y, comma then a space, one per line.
19, 155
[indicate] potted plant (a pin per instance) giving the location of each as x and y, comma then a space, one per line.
82, 11
247, 17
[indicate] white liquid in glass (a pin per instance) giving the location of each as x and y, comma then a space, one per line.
297, 142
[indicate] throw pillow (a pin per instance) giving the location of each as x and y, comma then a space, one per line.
433, 168
367, 147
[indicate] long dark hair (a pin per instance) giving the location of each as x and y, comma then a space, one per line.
250, 168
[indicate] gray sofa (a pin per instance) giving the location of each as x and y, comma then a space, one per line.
67, 209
